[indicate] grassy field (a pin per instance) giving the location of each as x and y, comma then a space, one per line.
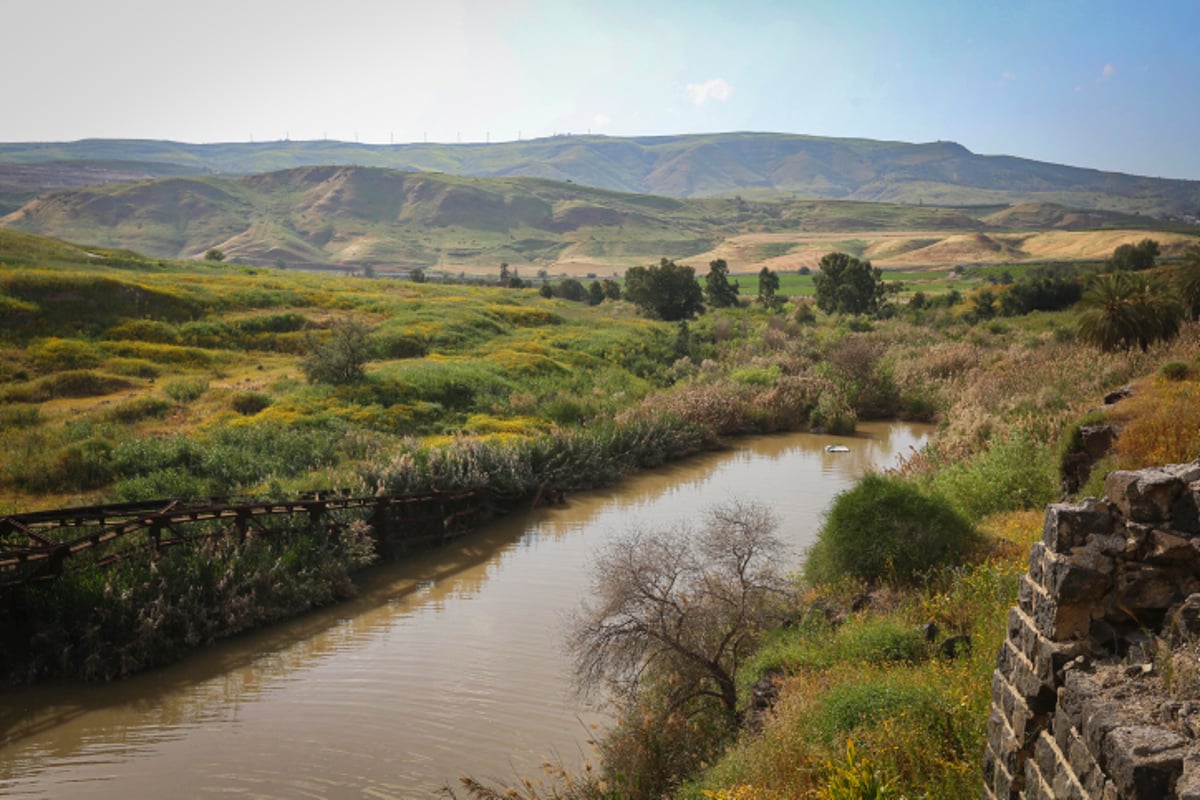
108, 355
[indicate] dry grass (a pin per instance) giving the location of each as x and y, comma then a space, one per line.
1160, 424
934, 248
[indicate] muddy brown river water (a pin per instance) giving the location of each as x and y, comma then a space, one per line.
448, 664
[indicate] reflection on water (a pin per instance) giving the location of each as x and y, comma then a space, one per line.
448, 664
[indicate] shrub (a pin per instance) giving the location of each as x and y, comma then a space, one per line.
78, 466
1163, 428
138, 409
754, 375
144, 330
161, 353
1175, 371
18, 416
132, 367
1011, 474
887, 528
249, 403
397, 344
226, 459
852, 705
101, 624
338, 359
185, 390
833, 414
48, 355
73, 383
813, 645
855, 778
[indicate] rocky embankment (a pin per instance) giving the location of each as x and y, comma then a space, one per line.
1096, 693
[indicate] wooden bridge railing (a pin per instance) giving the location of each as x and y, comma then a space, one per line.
39, 545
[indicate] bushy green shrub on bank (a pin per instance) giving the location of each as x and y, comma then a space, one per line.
886, 528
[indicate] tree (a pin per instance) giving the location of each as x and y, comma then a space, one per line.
1134, 257
612, 289
1187, 282
339, 357
719, 292
768, 285
682, 610
505, 276
846, 285
1122, 309
666, 291
214, 254
595, 293
417, 276
571, 289
983, 305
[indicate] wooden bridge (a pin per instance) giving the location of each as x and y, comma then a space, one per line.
40, 545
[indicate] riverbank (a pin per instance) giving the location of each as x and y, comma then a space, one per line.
448, 662
884, 690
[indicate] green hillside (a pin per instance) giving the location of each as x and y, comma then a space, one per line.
708, 165
354, 217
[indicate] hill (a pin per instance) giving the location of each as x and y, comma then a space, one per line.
760, 165
355, 217
20, 183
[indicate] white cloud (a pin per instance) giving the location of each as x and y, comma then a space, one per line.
601, 120
1108, 71
715, 89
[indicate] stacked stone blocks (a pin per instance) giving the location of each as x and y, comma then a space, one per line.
1077, 711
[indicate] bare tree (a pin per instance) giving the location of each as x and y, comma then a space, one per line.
682, 609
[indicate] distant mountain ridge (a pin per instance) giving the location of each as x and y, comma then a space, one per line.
354, 217
752, 165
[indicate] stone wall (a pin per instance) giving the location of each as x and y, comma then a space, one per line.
1096, 692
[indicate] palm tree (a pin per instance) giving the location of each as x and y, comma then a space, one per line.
1123, 309
1187, 282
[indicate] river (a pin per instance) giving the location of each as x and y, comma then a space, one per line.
448, 664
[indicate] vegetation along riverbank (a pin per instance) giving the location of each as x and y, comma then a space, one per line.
126, 378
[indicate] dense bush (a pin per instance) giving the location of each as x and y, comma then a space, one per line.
139, 408
48, 355
249, 403
887, 528
1012, 473
185, 390
814, 644
1041, 292
1175, 371
72, 383
340, 357
104, 623
227, 459
852, 705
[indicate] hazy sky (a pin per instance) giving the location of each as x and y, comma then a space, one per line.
1110, 85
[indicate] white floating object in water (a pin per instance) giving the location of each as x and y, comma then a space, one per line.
836, 448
